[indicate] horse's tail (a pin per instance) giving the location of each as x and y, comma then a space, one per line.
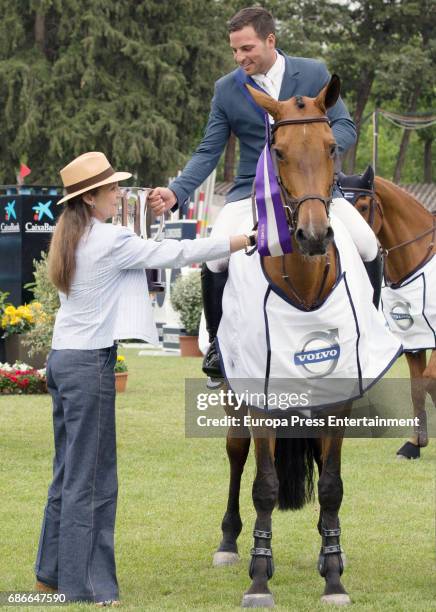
294, 461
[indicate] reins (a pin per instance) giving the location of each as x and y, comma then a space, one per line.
318, 299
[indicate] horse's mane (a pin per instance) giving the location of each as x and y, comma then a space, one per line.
395, 192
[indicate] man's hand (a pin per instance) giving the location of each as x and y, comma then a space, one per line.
161, 199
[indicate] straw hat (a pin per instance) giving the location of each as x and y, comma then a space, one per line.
88, 171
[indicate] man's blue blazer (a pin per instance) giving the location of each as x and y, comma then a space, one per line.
232, 110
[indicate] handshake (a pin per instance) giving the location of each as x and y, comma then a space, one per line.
161, 199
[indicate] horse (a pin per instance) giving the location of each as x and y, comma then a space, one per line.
406, 232
305, 152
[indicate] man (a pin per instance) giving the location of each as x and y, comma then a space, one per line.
253, 42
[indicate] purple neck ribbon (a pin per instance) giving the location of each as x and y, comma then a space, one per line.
273, 237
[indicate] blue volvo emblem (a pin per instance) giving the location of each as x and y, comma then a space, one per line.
400, 314
319, 353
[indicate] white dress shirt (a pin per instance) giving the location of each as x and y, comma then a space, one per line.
109, 297
271, 81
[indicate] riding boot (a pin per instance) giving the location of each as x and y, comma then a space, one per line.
374, 269
212, 286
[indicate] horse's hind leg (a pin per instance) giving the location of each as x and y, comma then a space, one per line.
430, 376
238, 445
417, 365
330, 492
265, 495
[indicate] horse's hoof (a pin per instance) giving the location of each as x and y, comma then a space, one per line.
338, 599
409, 451
225, 558
257, 600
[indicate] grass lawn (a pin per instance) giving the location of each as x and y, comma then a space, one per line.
172, 497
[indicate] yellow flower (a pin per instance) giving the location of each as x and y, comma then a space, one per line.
121, 358
10, 310
15, 320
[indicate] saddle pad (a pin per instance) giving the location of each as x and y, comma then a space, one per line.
410, 310
271, 346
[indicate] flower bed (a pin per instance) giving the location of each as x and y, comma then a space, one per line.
21, 378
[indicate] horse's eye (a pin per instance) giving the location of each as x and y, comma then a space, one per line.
279, 154
332, 149
364, 208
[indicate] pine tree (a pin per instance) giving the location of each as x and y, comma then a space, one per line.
132, 79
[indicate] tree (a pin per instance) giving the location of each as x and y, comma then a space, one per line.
131, 79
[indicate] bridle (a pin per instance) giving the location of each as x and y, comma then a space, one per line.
356, 193
292, 205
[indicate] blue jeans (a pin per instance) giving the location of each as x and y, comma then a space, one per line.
76, 547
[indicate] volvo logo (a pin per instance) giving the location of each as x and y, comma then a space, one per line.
400, 314
319, 353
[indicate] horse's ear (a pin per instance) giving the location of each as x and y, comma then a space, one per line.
368, 177
328, 96
264, 101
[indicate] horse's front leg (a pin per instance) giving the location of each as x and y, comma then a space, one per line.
237, 446
265, 494
417, 365
330, 492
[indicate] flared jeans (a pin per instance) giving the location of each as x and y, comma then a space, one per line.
76, 546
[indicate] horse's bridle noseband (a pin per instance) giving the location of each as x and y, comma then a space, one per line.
292, 205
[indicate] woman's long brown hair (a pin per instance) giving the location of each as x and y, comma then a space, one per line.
62, 253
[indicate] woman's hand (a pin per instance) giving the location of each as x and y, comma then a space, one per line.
243, 241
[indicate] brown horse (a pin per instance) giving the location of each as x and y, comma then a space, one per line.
406, 231
305, 151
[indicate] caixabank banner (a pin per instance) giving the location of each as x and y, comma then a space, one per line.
26, 226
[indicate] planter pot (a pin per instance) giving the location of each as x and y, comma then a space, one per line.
16, 351
121, 381
189, 346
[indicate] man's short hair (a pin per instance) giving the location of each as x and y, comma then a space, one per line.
257, 17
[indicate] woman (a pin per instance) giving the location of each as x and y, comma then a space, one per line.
98, 269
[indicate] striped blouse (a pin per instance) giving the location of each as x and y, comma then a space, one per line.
109, 297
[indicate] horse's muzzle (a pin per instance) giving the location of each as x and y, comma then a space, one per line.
314, 244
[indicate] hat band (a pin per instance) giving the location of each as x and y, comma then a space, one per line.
90, 181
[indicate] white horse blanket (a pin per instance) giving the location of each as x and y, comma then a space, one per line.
270, 346
410, 309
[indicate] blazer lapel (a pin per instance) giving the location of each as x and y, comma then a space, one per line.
242, 79
290, 79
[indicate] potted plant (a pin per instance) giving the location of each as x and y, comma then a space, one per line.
186, 299
3, 298
38, 339
121, 374
16, 322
